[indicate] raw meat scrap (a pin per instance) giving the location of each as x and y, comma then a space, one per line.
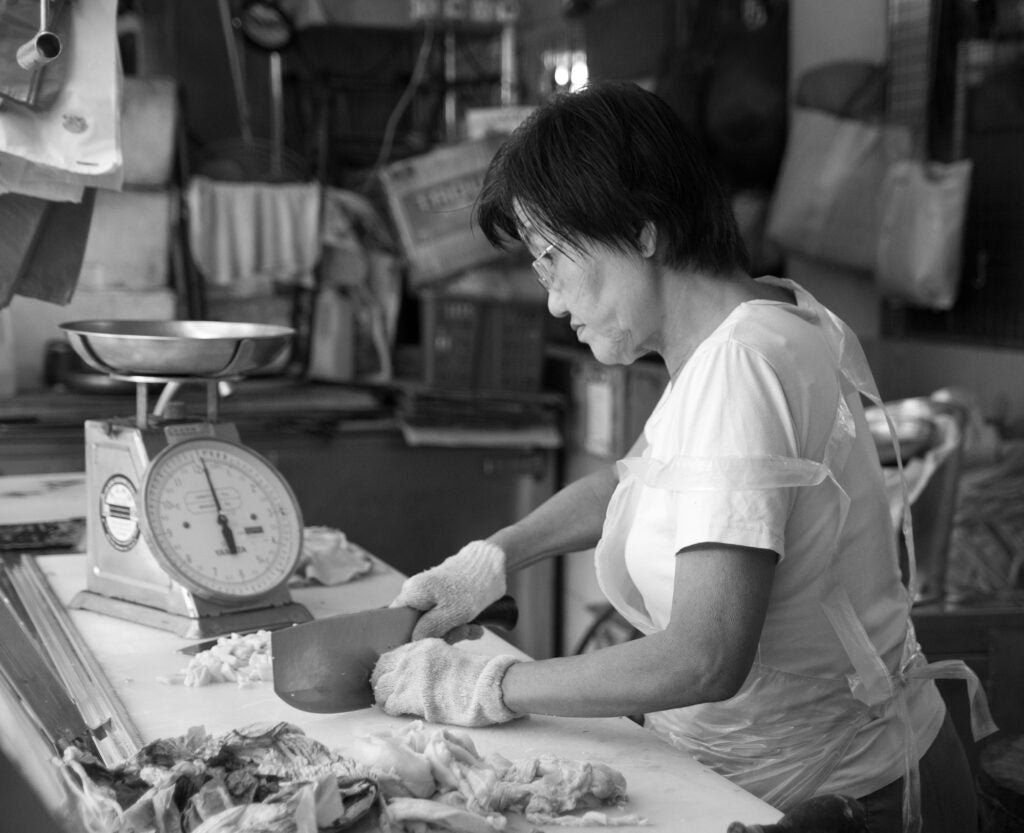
265, 777
237, 658
546, 789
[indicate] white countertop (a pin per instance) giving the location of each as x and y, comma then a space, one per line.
666, 786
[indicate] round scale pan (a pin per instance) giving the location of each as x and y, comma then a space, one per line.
209, 349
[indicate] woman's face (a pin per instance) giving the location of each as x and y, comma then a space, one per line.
604, 292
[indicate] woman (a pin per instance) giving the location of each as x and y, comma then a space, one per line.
746, 534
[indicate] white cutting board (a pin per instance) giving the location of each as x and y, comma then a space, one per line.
666, 786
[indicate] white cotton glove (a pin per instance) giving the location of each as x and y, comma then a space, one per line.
433, 680
456, 590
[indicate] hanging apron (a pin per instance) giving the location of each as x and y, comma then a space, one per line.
783, 735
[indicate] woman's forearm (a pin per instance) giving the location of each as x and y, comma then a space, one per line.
704, 654
568, 521
649, 674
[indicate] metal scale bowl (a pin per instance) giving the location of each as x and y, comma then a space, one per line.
188, 530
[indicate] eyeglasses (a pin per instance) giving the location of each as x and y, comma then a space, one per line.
544, 267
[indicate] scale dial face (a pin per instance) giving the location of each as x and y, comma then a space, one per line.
220, 519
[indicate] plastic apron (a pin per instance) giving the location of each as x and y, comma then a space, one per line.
782, 735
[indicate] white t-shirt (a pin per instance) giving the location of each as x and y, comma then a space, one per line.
765, 386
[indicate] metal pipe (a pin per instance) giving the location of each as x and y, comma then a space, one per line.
276, 115
142, 405
509, 90
235, 66
166, 395
451, 98
44, 46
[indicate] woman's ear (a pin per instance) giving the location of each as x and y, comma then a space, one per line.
648, 239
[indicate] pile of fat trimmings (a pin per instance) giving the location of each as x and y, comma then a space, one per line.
242, 659
433, 779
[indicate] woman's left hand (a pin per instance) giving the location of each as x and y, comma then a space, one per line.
431, 679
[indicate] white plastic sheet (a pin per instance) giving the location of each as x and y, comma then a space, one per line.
76, 142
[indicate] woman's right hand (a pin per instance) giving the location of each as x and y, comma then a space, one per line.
456, 590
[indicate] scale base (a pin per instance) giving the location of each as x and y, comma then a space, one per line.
205, 627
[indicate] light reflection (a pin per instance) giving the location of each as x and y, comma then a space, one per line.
564, 69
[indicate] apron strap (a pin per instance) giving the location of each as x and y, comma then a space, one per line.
982, 724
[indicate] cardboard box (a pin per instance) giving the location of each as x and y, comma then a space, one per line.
431, 198
129, 241
483, 122
149, 116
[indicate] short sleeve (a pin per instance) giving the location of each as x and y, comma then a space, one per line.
728, 406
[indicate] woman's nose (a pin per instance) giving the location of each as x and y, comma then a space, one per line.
555, 305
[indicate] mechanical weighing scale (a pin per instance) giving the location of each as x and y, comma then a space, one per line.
188, 530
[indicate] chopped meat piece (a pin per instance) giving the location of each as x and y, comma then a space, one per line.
209, 801
410, 811
545, 789
548, 785
242, 659
291, 817
591, 818
400, 770
329, 558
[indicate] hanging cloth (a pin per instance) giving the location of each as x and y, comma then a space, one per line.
42, 246
247, 237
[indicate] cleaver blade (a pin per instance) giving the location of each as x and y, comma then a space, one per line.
324, 666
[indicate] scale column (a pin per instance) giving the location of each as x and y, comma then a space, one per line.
142, 405
212, 401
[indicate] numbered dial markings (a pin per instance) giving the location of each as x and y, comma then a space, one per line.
220, 519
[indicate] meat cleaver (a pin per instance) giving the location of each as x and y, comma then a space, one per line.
324, 666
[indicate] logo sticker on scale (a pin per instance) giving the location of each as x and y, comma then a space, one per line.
119, 512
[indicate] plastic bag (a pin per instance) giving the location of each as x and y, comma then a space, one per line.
920, 241
825, 203
359, 294
77, 141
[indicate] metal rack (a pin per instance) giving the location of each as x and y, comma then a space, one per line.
436, 65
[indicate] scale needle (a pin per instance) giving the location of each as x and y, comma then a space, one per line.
222, 519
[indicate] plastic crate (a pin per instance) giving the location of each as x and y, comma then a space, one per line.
482, 343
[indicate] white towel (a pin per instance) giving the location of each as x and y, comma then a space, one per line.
247, 237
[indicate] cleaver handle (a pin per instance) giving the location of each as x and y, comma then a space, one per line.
504, 614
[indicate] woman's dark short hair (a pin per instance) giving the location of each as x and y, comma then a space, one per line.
599, 163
